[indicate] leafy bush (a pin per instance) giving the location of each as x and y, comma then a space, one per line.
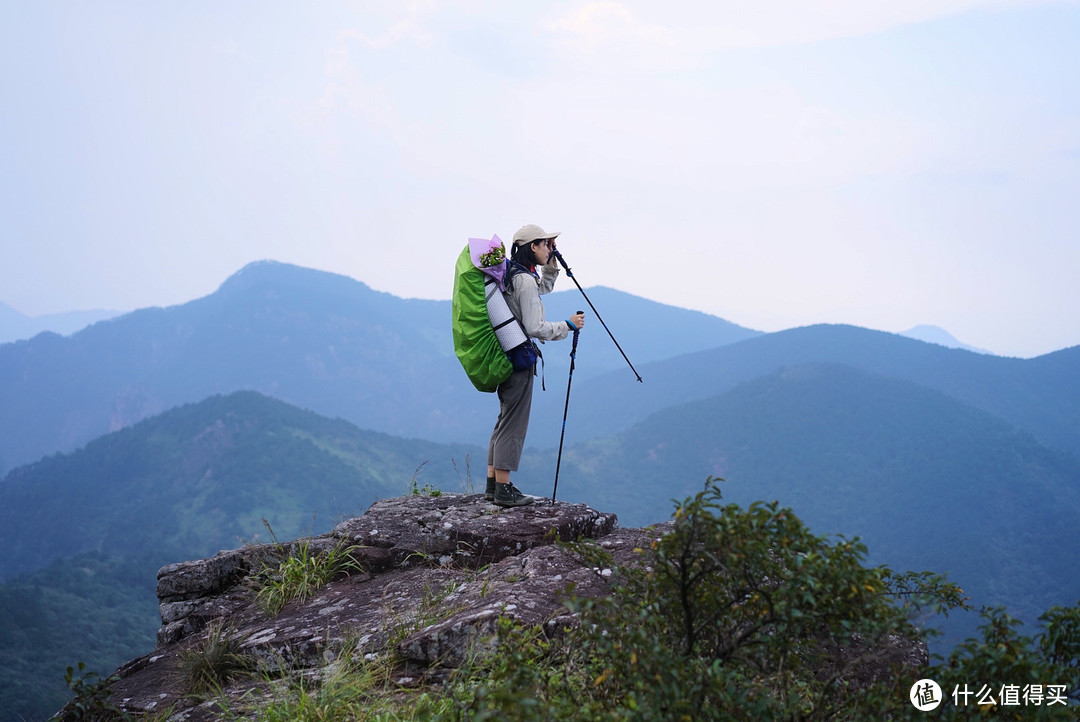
1007, 662
737, 614
91, 700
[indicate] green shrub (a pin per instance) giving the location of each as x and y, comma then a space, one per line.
736, 614
1005, 657
91, 700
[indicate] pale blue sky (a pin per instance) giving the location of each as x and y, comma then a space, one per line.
774, 162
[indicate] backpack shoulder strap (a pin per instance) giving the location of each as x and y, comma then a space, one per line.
512, 269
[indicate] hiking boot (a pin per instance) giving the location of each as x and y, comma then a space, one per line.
489, 493
509, 495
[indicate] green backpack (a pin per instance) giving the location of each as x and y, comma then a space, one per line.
475, 342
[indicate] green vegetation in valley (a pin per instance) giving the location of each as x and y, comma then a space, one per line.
202, 477
92, 609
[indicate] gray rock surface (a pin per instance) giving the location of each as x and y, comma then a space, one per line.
438, 572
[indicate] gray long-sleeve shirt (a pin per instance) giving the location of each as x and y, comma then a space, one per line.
523, 298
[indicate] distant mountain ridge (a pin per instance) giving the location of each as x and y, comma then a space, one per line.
318, 340
1040, 395
646, 330
332, 344
15, 325
938, 335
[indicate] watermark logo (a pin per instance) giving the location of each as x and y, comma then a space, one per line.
926, 695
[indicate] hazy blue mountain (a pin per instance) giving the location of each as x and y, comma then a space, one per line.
8, 316
1040, 395
15, 325
331, 344
928, 482
318, 340
938, 335
646, 330
200, 478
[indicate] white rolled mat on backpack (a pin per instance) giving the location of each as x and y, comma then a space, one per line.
507, 328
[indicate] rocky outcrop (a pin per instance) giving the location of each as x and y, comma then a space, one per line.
437, 574
434, 574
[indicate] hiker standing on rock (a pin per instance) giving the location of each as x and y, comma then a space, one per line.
532, 250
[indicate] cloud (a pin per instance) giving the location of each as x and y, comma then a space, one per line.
604, 22
389, 27
688, 28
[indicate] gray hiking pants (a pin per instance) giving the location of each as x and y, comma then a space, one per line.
515, 403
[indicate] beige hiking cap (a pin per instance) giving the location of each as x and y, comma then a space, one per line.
532, 232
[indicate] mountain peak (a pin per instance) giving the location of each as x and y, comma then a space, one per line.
935, 334
7, 312
277, 273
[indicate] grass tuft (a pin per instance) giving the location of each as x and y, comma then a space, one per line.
302, 574
214, 661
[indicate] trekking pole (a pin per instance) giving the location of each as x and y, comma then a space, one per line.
555, 252
566, 407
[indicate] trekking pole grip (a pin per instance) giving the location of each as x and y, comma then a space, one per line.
573, 349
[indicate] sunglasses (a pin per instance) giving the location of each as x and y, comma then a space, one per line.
546, 241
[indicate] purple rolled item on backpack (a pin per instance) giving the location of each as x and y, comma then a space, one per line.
489, 255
